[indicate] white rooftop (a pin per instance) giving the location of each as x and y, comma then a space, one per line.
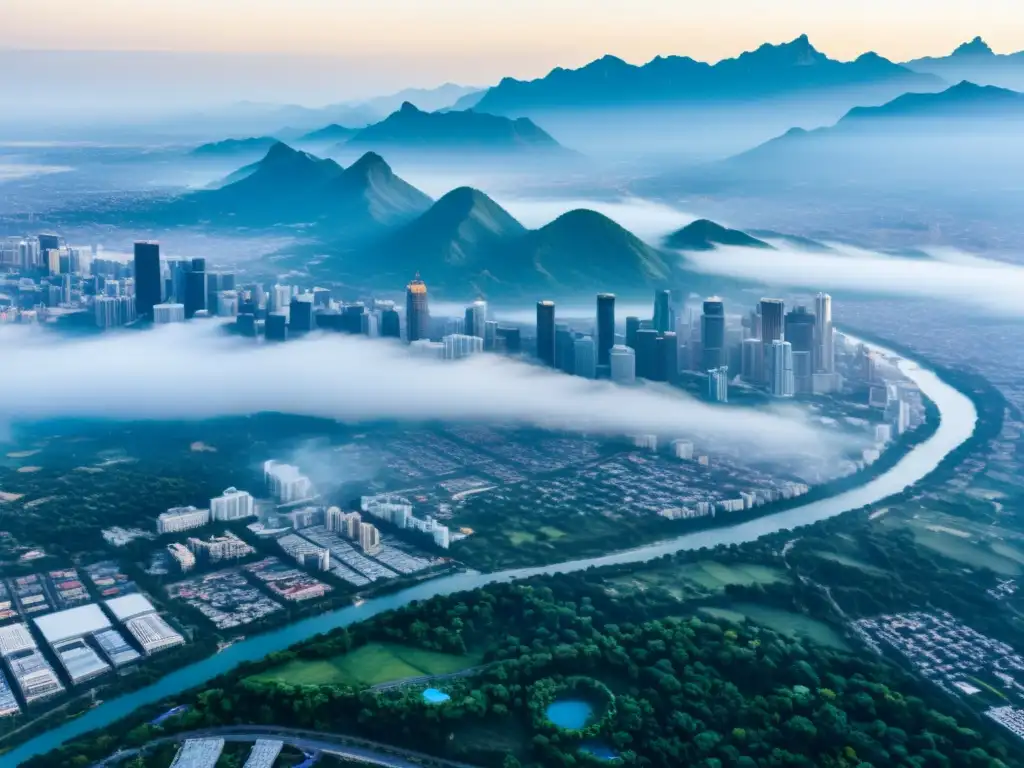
14, 638
74, 622
129, 606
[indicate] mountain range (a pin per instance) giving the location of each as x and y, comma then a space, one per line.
466, 244
329, 134
966, 136
231, 148
770, 71
977, 62
289, 187
410, 128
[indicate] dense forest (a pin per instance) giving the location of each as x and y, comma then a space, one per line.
687, 691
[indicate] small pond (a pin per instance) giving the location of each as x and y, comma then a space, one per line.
434, 696
570, 714
599, 750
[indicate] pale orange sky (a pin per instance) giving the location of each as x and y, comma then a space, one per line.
478, 40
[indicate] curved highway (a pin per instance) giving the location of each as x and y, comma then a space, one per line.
958, 418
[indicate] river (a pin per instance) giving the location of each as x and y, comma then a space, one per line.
958, 418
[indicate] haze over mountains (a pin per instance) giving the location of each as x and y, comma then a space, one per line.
964, 137
977, 62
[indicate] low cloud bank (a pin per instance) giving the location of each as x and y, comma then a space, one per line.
194, 371
987, 285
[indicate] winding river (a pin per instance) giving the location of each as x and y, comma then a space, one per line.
958, 420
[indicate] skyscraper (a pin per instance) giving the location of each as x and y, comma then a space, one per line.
632, 326
276, 328
752, 360
546, 332
824, 356
647, 354
605, 326
476, 318
300, 314
417, 313
195, 288
490, 333
712, 333
800, 326
564, 348
623, 364
390, 323
584, 358
670, 356
663, 311
771, 320
718, 385
780, 369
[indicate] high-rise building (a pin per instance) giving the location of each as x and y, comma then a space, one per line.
824, 358
546, 332
148, 283
233, 504
168, 313
390, 323
476, 318
300, 314
752, 360
417, 312
647, 362
623, 364
352, 522
718, 385
584, 358
509, 339
490, 334
771, 313
286, 482
369, 538
712, 333
779, 363
276, 327
459, 345
195, 288
227, 303
565, 357
632, 326
800, 327
669, 349
322, 297
280, 298
663, 311
179, 519
605, 326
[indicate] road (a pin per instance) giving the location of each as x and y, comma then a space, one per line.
342, 745
431, 678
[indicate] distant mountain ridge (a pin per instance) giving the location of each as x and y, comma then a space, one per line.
467, 244
705, 235
234, 147
975, 61
461, 132
289, 187
771, 70
328, 134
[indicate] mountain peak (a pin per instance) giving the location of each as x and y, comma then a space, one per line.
976, 47
705, 235
370, 161
408, 108
279, 150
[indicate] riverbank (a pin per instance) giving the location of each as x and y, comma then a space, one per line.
958, 418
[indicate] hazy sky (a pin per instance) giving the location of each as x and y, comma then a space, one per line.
480, 40
135, 59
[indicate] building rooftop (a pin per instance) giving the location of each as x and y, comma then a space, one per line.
129, 606
74, 622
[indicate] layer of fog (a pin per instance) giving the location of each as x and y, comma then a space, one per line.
967, 280
194, 371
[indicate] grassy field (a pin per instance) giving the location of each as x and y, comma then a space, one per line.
370, 664
784, 622
716, 576
852, 562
